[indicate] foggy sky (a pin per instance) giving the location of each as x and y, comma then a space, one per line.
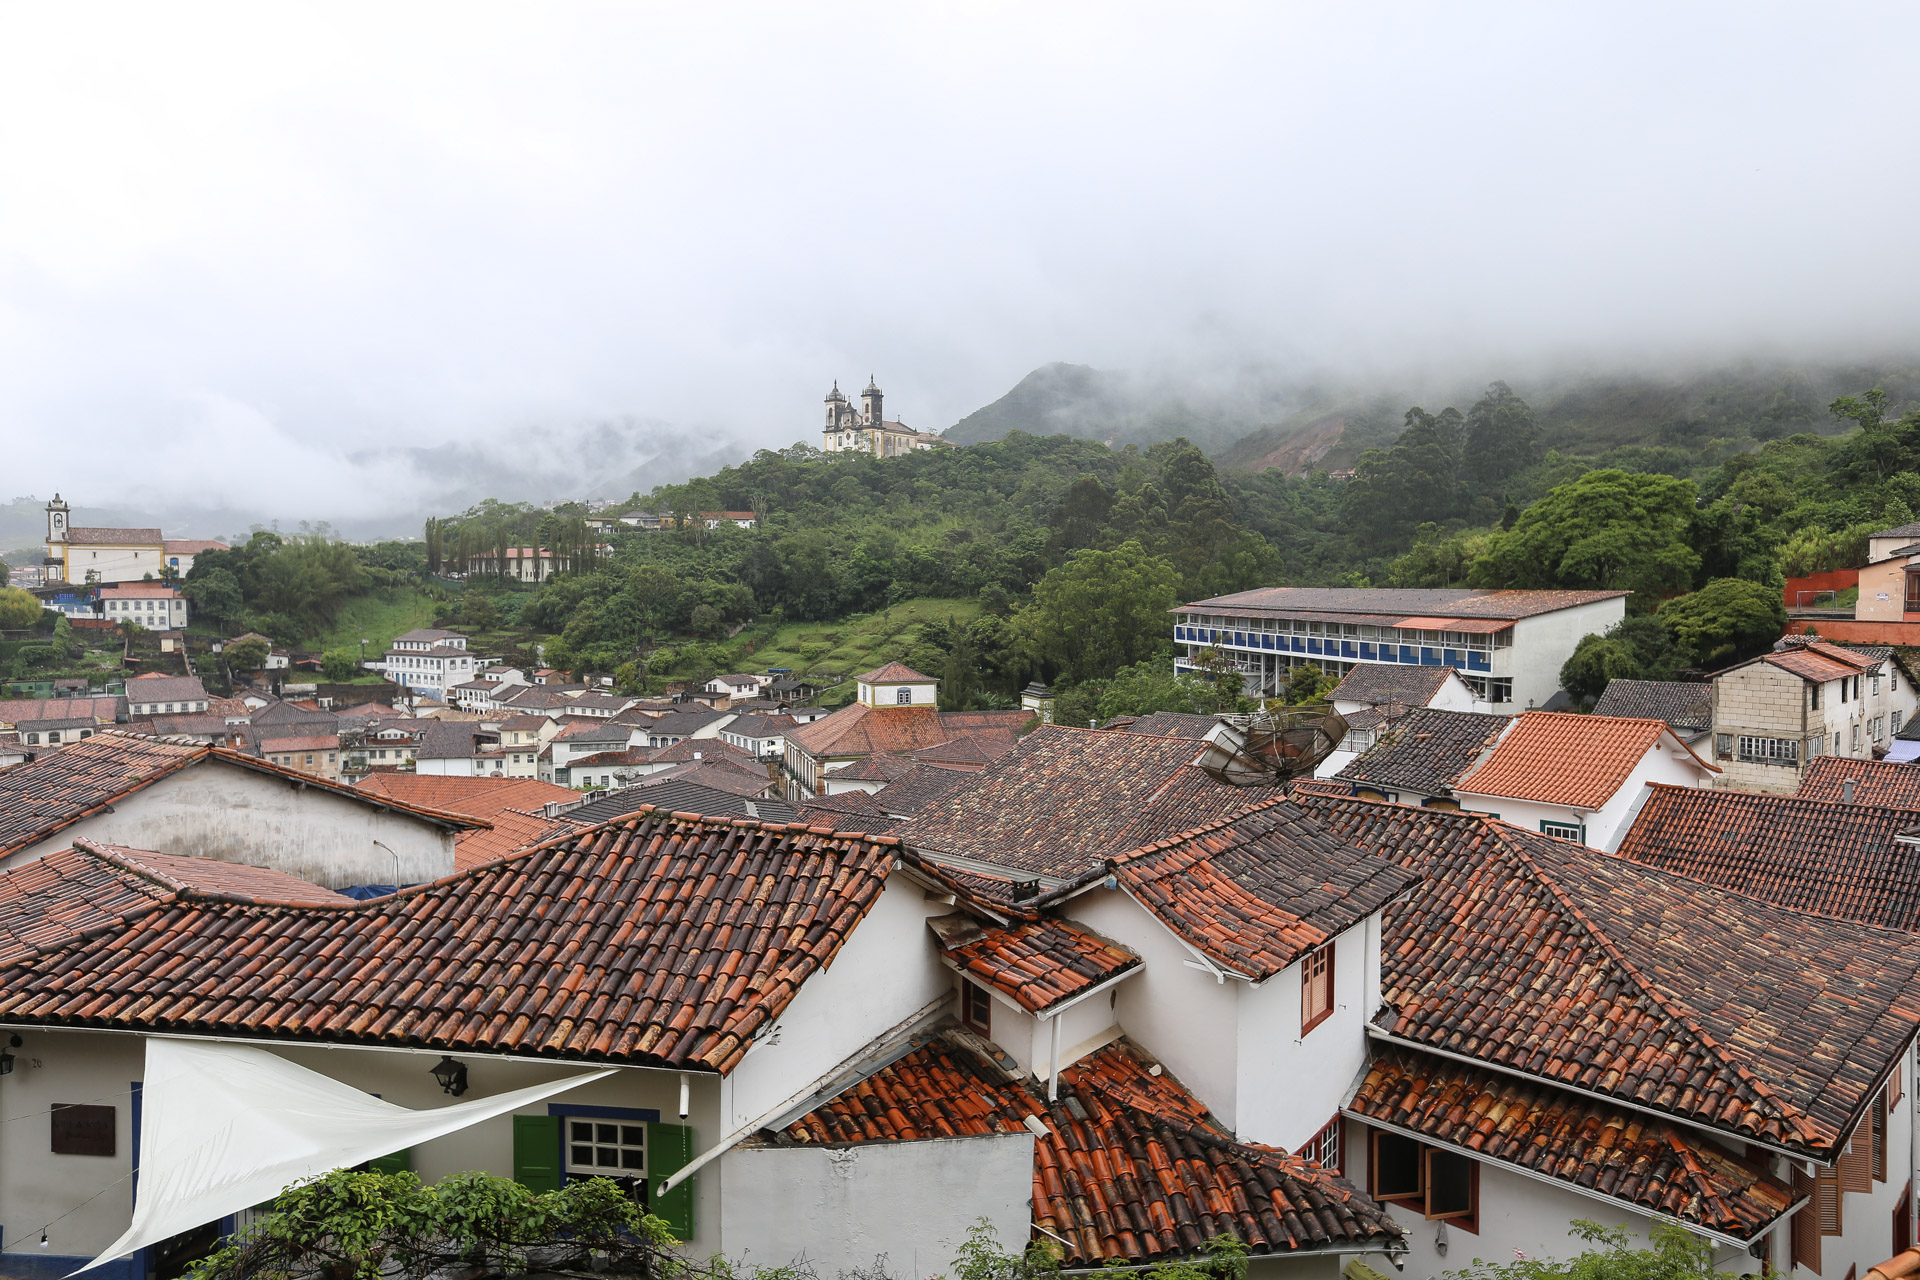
245, 254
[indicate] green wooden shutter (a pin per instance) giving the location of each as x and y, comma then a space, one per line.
669, 1150
400, 1161
536, 1152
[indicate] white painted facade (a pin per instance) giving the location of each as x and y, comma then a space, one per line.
1667, 762
220, 809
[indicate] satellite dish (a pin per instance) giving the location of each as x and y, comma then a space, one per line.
1276, 745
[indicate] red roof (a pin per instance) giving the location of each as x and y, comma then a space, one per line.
1555, 757
858, 729
1633, 1157
894, 673
512, 831
1036, 963
1257, 892
1893, 784
474, 797
654, 940
1131, 1165
1548, 959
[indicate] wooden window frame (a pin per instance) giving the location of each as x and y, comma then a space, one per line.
1804, 1229
1468, 1219
1829, 1201
1417, 1195
1330, 1140
1315, 967
971, 991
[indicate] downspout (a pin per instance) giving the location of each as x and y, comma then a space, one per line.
1053, 1064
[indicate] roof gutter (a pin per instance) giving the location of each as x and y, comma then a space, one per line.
809, 1094
1576, 1188
1392, 1249
1377, 1032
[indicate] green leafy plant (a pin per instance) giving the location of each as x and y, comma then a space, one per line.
1674, 1254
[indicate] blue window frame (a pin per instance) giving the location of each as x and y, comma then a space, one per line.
623, 1151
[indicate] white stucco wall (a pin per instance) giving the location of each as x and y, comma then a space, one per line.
884, 972
1666, 764
1543, 643
37, 1186
1182, 1016
225, 811
910, 1203
1290, 1086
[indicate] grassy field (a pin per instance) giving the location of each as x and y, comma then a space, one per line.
379, 618
836, 651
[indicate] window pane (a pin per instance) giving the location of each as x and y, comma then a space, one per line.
1396, 1166
631, 1159
608, 1133
581, 1155
1449, 1184
633, 1135
582, 1131
607, 1157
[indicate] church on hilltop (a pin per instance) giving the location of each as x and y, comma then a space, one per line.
82, 554
866, 430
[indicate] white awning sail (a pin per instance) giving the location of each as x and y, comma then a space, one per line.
225, 1127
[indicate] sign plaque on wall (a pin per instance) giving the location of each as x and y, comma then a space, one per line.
81, 1129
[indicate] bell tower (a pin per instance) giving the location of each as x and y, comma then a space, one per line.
56, 520
57, 528
870, 403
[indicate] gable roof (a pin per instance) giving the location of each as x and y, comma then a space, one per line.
653, 940
166, 689
848, 811
859, 729
1167, 724
1681, 703
1065, 799
894, 673
1637, 1159
70, 892
25, 712
972, 747
1375, 683
679, 795
1545, 958
1131, 1165
876, 768
97, 535
1556, 757
1426, 751
1823, 856
917, 788
1895, 784
1259, 891
1035, 963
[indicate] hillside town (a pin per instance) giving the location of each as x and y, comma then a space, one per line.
1432, 966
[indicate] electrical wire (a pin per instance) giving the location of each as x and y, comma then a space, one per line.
32, 1115
84, 1203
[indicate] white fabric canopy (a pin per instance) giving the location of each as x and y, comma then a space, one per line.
224, 1127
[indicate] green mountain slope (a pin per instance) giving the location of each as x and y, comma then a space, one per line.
1119, 409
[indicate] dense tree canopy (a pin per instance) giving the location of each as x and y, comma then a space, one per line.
1607, 529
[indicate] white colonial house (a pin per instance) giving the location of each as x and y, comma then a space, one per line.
429, 661
153, 605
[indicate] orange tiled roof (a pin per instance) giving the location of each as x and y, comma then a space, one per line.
656, 940
1549, 959
1555, 757
69, 892
474, 797
1638, 1159
512, 831
893, 673
1131, 1166
858, 729
1255, 893
1036, 963
1893, 784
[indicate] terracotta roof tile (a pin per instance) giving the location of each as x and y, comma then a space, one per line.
511, 831
1895, 784
473, 797
1681, 703
1256, 893
876, 768
1065, 799
848, 811
1131, 1167
1168, 724
1376, 683
1638, 1159
697, 933
95, 535
1554, 757
1823, 856
912, 792
979, 747
858, 729
1426, 751
1589, 971
1036, 963
893, 673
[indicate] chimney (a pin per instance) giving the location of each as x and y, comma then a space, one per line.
696, 755
1846, 790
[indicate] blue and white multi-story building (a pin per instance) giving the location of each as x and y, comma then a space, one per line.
1508, 646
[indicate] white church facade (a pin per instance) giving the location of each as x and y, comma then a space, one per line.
866, 430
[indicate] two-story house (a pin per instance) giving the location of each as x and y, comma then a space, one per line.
165, 695
1774, 713
429, 660
152, 605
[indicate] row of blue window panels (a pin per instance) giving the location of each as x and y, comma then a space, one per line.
1352, 650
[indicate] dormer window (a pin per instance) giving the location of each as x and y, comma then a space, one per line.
903, 696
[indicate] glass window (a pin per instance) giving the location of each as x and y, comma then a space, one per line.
607, 1147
